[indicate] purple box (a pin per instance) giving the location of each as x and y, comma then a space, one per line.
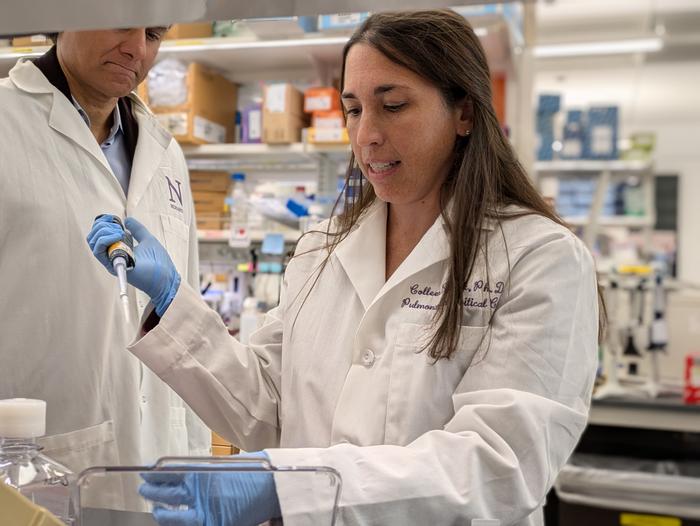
251, 124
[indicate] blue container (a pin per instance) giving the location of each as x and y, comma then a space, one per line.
574, 136
601, 133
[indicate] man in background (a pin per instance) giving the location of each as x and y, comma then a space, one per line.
76, 143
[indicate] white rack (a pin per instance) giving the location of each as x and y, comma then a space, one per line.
549, 172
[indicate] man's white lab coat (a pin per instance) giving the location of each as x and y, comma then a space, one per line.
340, 381
63, 335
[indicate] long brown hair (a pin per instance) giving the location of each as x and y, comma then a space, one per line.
441, 46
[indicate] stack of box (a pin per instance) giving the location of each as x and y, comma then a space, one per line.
575, 197
574, 136
341, 22
547, 108
327, 119
220, 447
196, 30
32, 41
209, 113
209, 191
601, 136
283, 114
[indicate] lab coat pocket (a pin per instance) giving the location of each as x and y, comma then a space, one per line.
176, 234
92, 446
420, 389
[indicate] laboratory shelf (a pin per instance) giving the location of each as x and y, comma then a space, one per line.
254, 152
613, 221
665, 414
256, 236
592, 166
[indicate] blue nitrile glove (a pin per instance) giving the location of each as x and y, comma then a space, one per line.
213, 498
154, 272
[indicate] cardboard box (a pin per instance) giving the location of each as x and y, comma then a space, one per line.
196, 30
282, 128
283, 116
221, 451
209, 202
328, 119
205, 181
218, 440
283, 98
32, 41
321, 99
209, 115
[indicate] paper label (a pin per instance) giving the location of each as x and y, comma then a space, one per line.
254, 125
329, 135
318, 103
209, 131
343, 20
275, 98
175, 123
602, 140
630, 519
572, 148
330, 122
240, 237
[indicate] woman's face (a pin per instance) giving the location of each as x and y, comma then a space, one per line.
401, 131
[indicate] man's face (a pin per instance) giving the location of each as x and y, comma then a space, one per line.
110, 63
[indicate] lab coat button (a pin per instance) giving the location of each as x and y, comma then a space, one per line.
368, 357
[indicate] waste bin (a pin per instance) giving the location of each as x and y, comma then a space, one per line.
615, 491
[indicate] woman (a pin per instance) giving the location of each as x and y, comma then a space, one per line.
435, 343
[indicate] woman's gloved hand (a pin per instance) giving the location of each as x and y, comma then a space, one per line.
214, 498
154, 272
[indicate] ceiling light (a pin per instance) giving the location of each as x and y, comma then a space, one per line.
646, 45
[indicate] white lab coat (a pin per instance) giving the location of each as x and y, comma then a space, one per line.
481, 435
63, 332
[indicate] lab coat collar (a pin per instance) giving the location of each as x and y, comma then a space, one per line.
363, 253
150, 149
63, 116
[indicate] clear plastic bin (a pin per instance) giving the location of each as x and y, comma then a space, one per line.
93, 482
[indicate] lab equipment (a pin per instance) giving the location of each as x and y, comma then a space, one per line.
658, 337
213, 475
155, 274
243, 498
691, 393
240, 234
42, 480
121, 256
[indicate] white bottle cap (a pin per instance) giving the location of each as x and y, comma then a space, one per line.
22, 418
486, 522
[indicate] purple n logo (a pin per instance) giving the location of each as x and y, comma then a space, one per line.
173, 190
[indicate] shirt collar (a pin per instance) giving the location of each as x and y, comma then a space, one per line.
116, 122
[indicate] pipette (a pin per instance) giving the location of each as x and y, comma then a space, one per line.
121, 255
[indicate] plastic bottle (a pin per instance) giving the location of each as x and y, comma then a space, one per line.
249, 319
22, 466
240, 235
